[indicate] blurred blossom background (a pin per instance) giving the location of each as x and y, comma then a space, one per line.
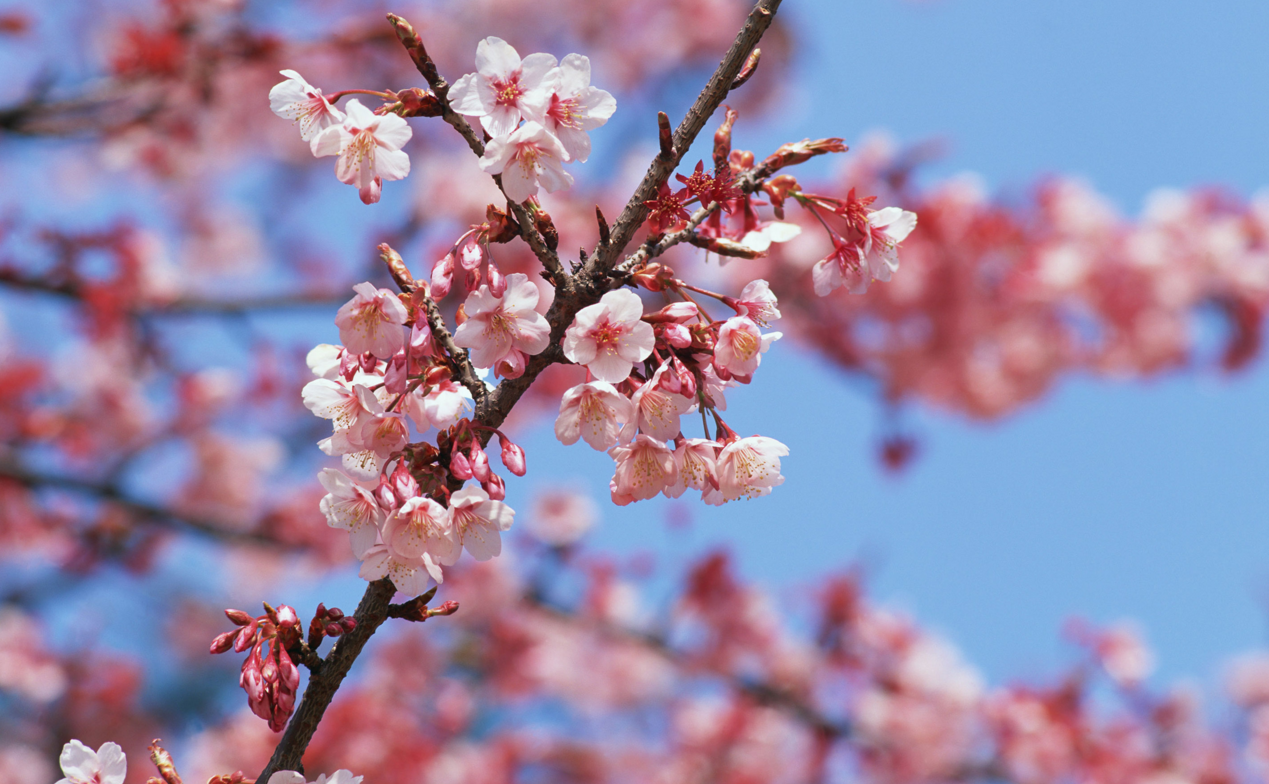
1051, 422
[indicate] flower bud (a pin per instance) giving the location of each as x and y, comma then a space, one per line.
333, 630
473, 279
677, 335
246, 637
479, 462
238, 617
223, 642
687, 380
386, 496
349, 623
497, 281
444, 608
368, 362
495, 487
512, 365
394, 379
404, 487
442, 276
513, 457
471, 254
348, 365
460, 466
334, 613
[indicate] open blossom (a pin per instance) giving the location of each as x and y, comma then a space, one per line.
422, 526
353, 508
372, 322
740, 346
82, 765
496, 325
657, 410
845, 265
442, 406
409, 574
758, 302
609, 337
748, 467
696, 460
574, 106
479, 522
760, 239
528, 157
886, 229
291, 777
351, 410
296, 99
369, 149
504, 88
594, 411
645, 467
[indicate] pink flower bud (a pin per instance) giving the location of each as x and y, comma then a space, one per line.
687, 381
289, 672
513, 457
471, 254
349, 624
333, 630
421, 338
239, 617
246, 637
473, 279
404, 487
394, 379
442, 276
223, 642
512, 365
495, 487
444, 608
369, 362
479, 463
334, 613
386, 496
348, 365
460, 466
497, 281
677, 335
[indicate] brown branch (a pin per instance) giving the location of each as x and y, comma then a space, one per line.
322, 685
710, 98
466, 372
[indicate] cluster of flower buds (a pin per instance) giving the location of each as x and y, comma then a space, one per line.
537, 112
471, 254
270, 678
328, 623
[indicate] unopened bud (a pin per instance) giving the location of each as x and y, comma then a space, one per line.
385, 496
653, 277
394, 379
747, 70
444, 608
460, 466
798, 152
687, 380
348, 623
238, 617
722, 139
223, 642
396, 265
473, 279
479, 463
404, 487
677, 335
334, 613
512, 365
460, 315
246, 637
513, 457
368, 362
333, 630
546, 227
417, 102
421, 338
471, 254
442, 276
497, 281
502, 227
495, 487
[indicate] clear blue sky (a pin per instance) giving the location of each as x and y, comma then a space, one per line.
1146, 501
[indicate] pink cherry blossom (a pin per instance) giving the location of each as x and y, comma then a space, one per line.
442, 406
645, 467
560, 517
479, 522
496, 325
657, 410
845, 265
527, 158
421, 526
740, 346
886, 229
758, 302
353, 508
409, 574
82, 765
609, 337
296, 99
750, 467
369, 149
291, 777
372, 322
695, 460
350, 408
574, 106
504, 88
594, 411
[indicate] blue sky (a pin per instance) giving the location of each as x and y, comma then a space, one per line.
1143, 501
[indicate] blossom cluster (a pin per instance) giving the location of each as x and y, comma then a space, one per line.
389, 495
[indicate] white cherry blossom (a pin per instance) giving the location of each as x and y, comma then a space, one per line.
353, 508
409, 575
369, 149
504, 88
886, 229
574, 106
609, 337
749, 467
758, 302
296, 99
495, 325
696, 461
595, 412
81, 765
529, 157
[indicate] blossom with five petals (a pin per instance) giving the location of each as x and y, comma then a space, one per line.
479, 522
696, 460
409, 575
369, 149
886, 229
82, 765
528, 157
496, 325
504, 88
594, 411
740, 346
609, 337
372, 322
296, 99
422, 526
656, 410
575, 107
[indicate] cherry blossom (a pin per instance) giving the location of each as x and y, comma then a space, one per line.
369, 149
749, 467
760, 239
844, 265
594, 411
657, 410
353, 508
422, 526
350, 408
81, 765
372, 321
442, 406
886, 229
609, 337
291, 777
740, 346
409, 574
504, 88
645, 467
574, 106
296, 99
496, 325
696, 461
758, 302
479, 522
529, 157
